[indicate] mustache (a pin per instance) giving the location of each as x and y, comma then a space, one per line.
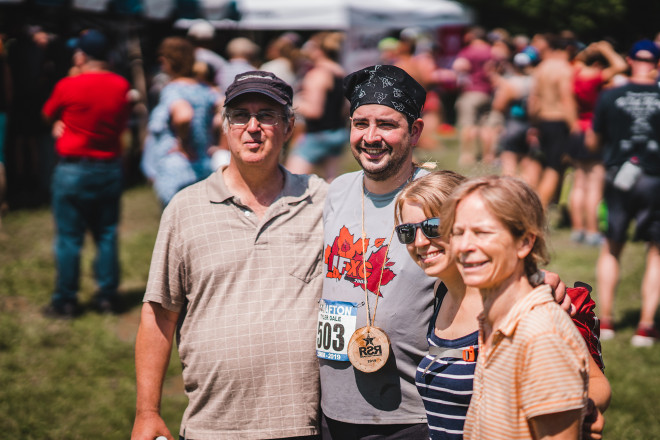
380, 144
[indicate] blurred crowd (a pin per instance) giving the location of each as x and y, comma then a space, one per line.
522, 103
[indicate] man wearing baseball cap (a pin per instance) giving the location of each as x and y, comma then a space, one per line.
627, 125
236, 274
89, 112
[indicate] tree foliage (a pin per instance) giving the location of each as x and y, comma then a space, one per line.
623, 21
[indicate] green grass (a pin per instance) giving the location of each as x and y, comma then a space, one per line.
76, 380
73, 380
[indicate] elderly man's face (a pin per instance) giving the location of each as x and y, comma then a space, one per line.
255, 142
381, 141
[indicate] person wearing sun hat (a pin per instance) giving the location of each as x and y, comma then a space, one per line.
236, 275
627, 126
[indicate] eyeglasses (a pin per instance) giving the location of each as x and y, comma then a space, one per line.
264, 117
407, 231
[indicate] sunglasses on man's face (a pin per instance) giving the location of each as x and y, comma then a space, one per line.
407, 231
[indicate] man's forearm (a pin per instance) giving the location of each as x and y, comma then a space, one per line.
153, 346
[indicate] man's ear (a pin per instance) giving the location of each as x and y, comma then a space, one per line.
416, 131
288, 131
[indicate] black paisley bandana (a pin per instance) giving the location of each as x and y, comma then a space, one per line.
385, 85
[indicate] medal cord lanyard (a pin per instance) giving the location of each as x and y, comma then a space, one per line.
371, 321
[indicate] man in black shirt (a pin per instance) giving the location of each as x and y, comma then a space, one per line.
627, 125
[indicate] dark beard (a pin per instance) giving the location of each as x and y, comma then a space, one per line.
391, 168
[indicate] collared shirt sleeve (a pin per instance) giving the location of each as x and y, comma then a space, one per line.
560, 388
167, 274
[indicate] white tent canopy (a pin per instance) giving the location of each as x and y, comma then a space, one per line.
364, 21
339, 14
285, 14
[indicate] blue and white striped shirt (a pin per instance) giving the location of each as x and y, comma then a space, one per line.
446, 388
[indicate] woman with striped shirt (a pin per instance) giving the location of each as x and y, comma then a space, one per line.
531, 378
444, 378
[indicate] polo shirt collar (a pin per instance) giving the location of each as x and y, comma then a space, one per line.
540, 295
292, 192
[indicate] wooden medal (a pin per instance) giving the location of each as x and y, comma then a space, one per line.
369, 349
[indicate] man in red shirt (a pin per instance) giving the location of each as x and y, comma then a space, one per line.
90, 111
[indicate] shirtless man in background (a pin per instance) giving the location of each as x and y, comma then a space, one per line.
553, 109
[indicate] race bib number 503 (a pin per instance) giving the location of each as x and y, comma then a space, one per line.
337, 321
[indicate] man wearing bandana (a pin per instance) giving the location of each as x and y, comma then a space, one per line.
386, 105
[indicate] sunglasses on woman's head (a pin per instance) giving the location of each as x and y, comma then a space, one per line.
407, 231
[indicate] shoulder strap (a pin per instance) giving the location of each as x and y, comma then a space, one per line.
439, 294
468, 354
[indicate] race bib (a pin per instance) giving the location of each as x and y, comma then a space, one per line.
337, 322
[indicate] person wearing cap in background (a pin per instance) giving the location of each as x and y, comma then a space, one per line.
627, 127
89, 113
388, 49
236, 273
385, 107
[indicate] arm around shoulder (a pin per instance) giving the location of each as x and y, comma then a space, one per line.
600, 394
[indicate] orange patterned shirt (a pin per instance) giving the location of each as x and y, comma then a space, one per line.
538, 364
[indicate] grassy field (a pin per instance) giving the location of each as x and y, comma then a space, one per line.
75, 379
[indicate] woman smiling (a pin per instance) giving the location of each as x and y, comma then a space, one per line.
444, 376
532, 372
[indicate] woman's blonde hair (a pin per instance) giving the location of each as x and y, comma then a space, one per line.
431, 191
512, 202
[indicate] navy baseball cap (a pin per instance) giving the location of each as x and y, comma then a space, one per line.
258, 81
93, 43
646, 45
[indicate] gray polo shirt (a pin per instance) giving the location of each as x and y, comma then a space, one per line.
248, 291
